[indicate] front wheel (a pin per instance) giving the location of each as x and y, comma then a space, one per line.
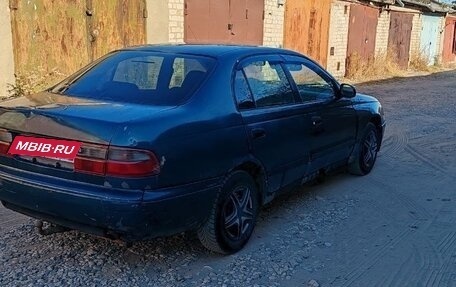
367, 152
233, 216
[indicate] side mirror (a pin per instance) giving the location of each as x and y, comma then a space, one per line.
347, 91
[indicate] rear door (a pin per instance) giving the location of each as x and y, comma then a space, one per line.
274, 119
333, 121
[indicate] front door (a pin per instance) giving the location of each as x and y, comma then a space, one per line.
333, 120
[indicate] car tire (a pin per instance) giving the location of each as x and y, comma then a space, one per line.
233, 215
366, 154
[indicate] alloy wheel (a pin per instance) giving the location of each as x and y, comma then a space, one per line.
370, 147
238, 213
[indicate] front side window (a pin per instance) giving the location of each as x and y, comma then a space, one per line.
311, 86
269, 84
139, 77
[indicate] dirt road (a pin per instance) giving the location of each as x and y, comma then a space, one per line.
395, 227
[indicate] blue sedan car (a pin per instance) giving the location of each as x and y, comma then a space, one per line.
155, 140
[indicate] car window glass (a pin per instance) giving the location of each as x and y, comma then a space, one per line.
139, 77
242, 92
181, 68
311, 86
141, 71
268, 83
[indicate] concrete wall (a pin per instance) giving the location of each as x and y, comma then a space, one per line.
157, 21
381, 39
273, 24
338, 37
6, 49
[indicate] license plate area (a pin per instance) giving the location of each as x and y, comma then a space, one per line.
50, 162
50, 152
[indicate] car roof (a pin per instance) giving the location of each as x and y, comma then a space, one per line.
215, 51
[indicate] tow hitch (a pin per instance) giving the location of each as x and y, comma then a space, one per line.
51, 229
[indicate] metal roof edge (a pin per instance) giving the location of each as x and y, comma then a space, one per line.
430, 5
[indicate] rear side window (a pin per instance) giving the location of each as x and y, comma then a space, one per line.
269, 84
242, 92
139, 77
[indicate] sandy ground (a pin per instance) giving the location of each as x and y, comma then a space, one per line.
394, 227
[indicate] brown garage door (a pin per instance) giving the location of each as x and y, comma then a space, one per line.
362, 31
116, 24
65, 35
49, 35
224, 22
307, 27
400, 33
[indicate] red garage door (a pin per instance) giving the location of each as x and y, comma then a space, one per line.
362, 31
400, 34
224, 22
449, 43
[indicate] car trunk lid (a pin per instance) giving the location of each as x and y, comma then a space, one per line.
51, 116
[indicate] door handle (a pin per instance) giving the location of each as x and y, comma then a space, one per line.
317, 121
258, 133
317, 124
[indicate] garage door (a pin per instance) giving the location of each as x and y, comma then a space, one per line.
307, 27
362, 31
116, 24
400, 34
430, 37
224, 22
449, 43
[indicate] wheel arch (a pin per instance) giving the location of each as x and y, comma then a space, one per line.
377, 121
256, 170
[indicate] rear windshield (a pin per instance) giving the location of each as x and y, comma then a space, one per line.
139, 77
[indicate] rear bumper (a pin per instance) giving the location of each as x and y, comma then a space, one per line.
124, 214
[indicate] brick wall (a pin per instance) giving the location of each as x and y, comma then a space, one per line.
273, 24
338, 37
381, 39
415, 40
176, 21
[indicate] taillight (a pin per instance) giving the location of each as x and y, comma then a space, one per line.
5, 141
131, 162
91, 159
116, 161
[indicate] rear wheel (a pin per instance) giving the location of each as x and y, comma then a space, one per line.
367, 152
233, 215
